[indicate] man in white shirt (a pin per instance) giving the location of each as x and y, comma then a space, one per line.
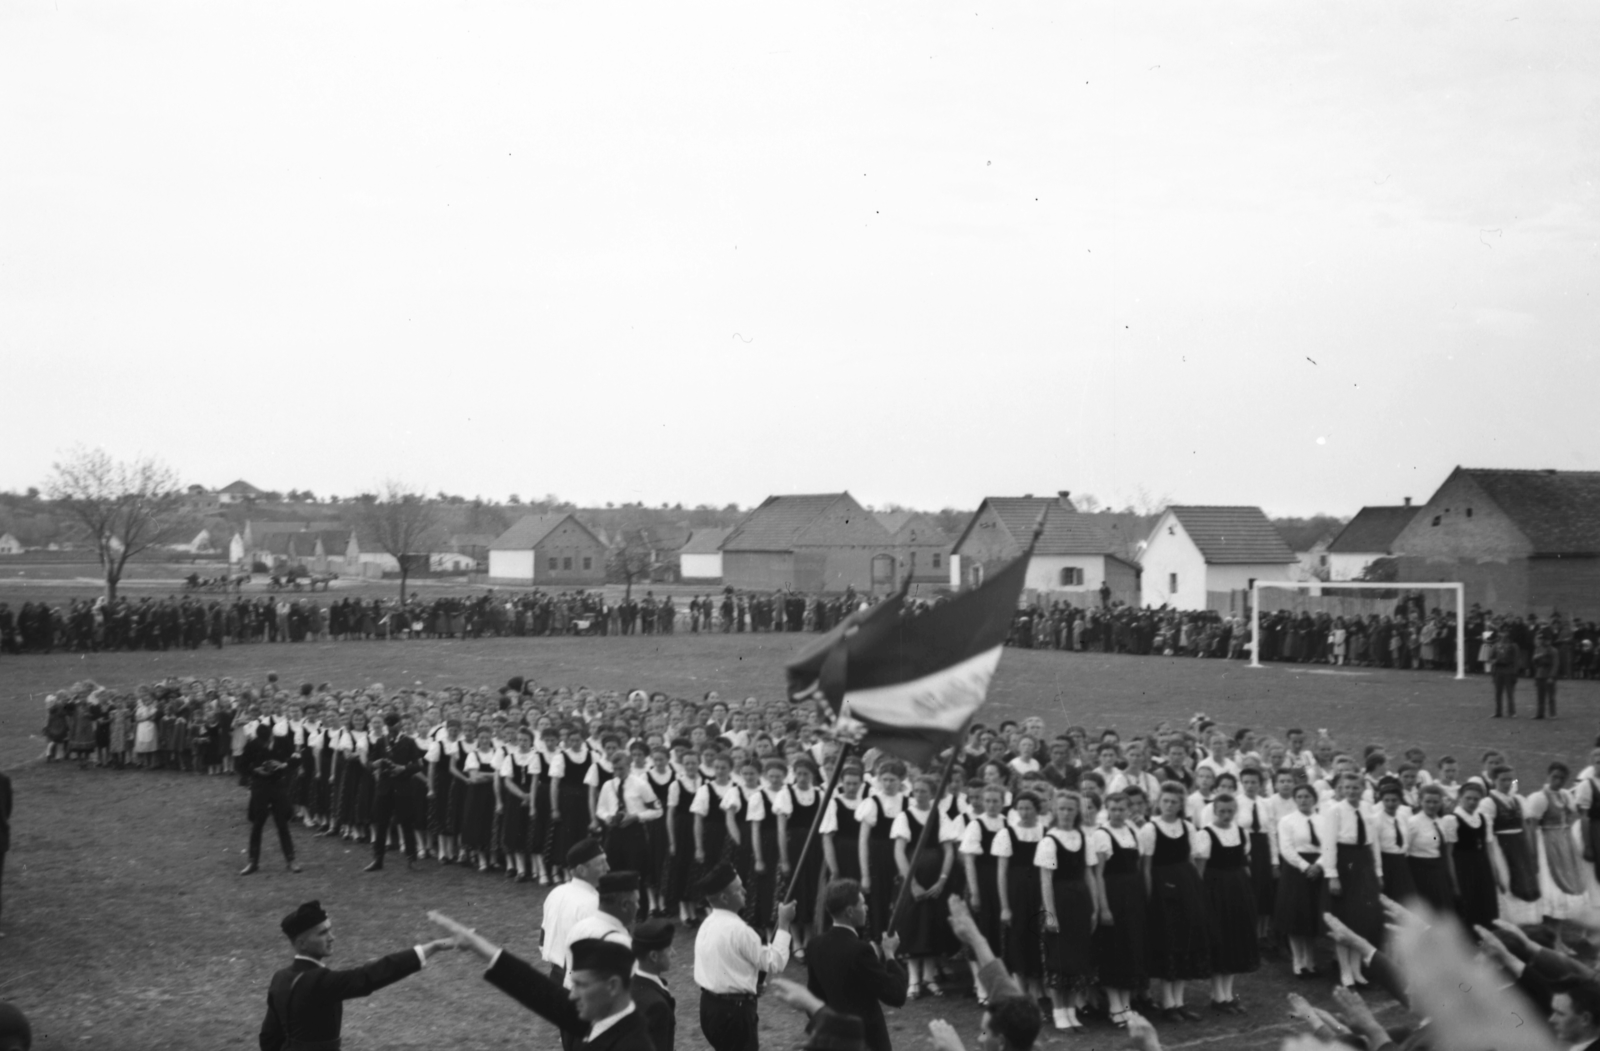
619, 908
1136, 775
729, 958
577, 899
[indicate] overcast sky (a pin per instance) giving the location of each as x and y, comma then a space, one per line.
1306, 256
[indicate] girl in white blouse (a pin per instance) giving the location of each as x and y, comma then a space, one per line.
1298, 910
1429, 836
1350, 857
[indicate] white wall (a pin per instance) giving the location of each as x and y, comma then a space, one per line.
511, 567
1238, 577
700, 567
1170, 551
1044, 572
1350, 566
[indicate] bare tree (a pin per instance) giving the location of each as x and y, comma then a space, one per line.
400, 520
126, 507
632, 558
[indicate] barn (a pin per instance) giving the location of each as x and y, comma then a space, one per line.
1196, 555
549, 550
1076, 554
815, 542
1521, 541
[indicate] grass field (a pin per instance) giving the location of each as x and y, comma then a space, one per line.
126, 926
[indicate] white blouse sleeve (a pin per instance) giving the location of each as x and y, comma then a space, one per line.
1000, 846
558, 766
783, 802
1100, 846
1534, 807
830, 817
702, 801
867, 812
901, 829
758, 806
1045, 856
1200, 844
592, 776
733, 799
972, 838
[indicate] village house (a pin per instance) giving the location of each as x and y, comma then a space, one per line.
1367, 537
10, 545
1076, 554
1521, 541
1198, 557
548, 550
700, 558
921, 547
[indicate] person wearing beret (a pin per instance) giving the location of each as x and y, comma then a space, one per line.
652, 955
394, 760
598, 1014
729, 958
577, 899
305, 1001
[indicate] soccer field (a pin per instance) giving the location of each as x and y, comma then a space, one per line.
126, 926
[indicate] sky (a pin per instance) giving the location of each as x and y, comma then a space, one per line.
1302, 256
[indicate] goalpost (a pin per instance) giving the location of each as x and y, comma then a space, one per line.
1297, 585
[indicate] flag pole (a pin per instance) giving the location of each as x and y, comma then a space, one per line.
922, 837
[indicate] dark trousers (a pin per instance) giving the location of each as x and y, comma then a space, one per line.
1545, 689
393, 805
729, 1022
270, 802
1505, 685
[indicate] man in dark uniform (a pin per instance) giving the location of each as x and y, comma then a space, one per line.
652, 954
395, 759
598, 1012
265, 764
850, 974
305, 1002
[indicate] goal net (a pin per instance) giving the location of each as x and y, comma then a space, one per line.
1351, 598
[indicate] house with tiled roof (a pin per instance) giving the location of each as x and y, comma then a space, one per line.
921, 545
814, 542
1076, 556
700, 558
1367, 537
548, 550
1522, 541
1197, 555
239, 492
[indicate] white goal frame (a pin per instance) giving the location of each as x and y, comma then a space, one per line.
1299, 585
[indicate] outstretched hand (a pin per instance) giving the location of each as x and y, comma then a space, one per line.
464, 937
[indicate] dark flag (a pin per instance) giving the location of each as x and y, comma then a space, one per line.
913, 682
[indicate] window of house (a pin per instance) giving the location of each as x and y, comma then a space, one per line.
1172, 583
937, 559
566, 563
1436, 519
977, 575
588, 562
1322, 560
555, 563
1071, 577
1469, 512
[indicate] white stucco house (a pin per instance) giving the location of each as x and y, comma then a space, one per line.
1195, 551
10, 545
1076, 554
1369, 536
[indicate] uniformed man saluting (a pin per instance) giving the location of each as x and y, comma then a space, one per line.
305, 1002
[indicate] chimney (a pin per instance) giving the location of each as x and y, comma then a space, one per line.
1408, 501
1027, 496
1065, 497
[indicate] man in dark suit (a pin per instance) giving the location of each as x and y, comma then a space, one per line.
266, 764
305, 1002
394, 759
598, 1012
652, 954
5, 824
847, 972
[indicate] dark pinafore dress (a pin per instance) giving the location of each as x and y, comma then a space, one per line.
540, 827
847, 839
987, 871
714, 828
573, 796
1297, 912
683, 861
1231, 907
925, 925
1069, 951
1024, 950
1120, 947
808, 876
515, 820
1511, 833
323, 805
1478, 903
441, 822
881, 868
1431, 876
659, 874
767, 881
1262, 881
1179, 945
1397, 881
477, 821
1356, 904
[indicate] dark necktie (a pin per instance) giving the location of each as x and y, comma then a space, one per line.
1440, 833
1311, 827
1399, 835
1361, 829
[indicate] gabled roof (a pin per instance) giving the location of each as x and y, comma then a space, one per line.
1558, 511
1233, 535
778, 523
913, 527
241, 488
1067, 531
528, 532
704, 542
334, 541
1372, 530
